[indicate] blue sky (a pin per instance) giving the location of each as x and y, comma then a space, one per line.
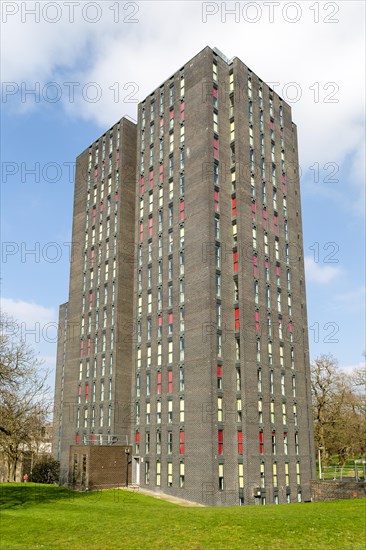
310, 53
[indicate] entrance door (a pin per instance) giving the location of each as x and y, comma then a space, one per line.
136, 472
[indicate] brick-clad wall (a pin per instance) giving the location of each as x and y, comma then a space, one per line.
105, 466
334, 490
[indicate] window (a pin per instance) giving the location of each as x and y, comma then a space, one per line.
170, 443
170, 352
235, 258
148, 413
284, 416
240, 442
219, 377
221, 477
158, 443
287, 477
181, 379
159, 383
273, 442
262, 476
220, 441
261, 443
260, 411
219, 409
181, 475
218, 315
170, 474
147, 473
241, 476
298, 479
216, 201
181, 411
237, 319
170, 412
148, 383
218, 285
238, 410
296, 443
216, 147
158, 412
274, 471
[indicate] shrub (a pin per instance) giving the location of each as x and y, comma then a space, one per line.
46, 471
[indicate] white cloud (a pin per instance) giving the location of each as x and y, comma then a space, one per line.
318, 273
33, 322
146, 53
353, 300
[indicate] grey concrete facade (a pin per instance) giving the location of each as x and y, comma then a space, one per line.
212, 387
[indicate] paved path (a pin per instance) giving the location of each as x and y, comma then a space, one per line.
162, 496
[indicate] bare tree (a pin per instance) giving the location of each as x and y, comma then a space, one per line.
339, 411
24, 395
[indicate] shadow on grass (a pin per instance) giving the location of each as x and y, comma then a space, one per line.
27, 494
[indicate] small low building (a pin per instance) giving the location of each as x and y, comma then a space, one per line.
99, 466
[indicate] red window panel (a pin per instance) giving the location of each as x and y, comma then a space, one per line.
216, 201
161, 173
151, 179
265, 218
92, 439
141, 231
237, 320
171, 114
220, 441
101, 208
150, 227
137, 437
159, 383
89, 346
181, 207
181, 443
182, 110
170, 318
160, 321
255, 266
162, 121
240, 443
214, 92
216, 148
277, 270
235, 256
261, 443
271, 125
142, 185
233, 208
253, 210
77, 439
79, 390
87, 392
170, 381
219, 371
257, 321
290, 327
266, 264
116, 197
281, 133
81, 348
90, 297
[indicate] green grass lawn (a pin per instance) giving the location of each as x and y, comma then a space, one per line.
49, 517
